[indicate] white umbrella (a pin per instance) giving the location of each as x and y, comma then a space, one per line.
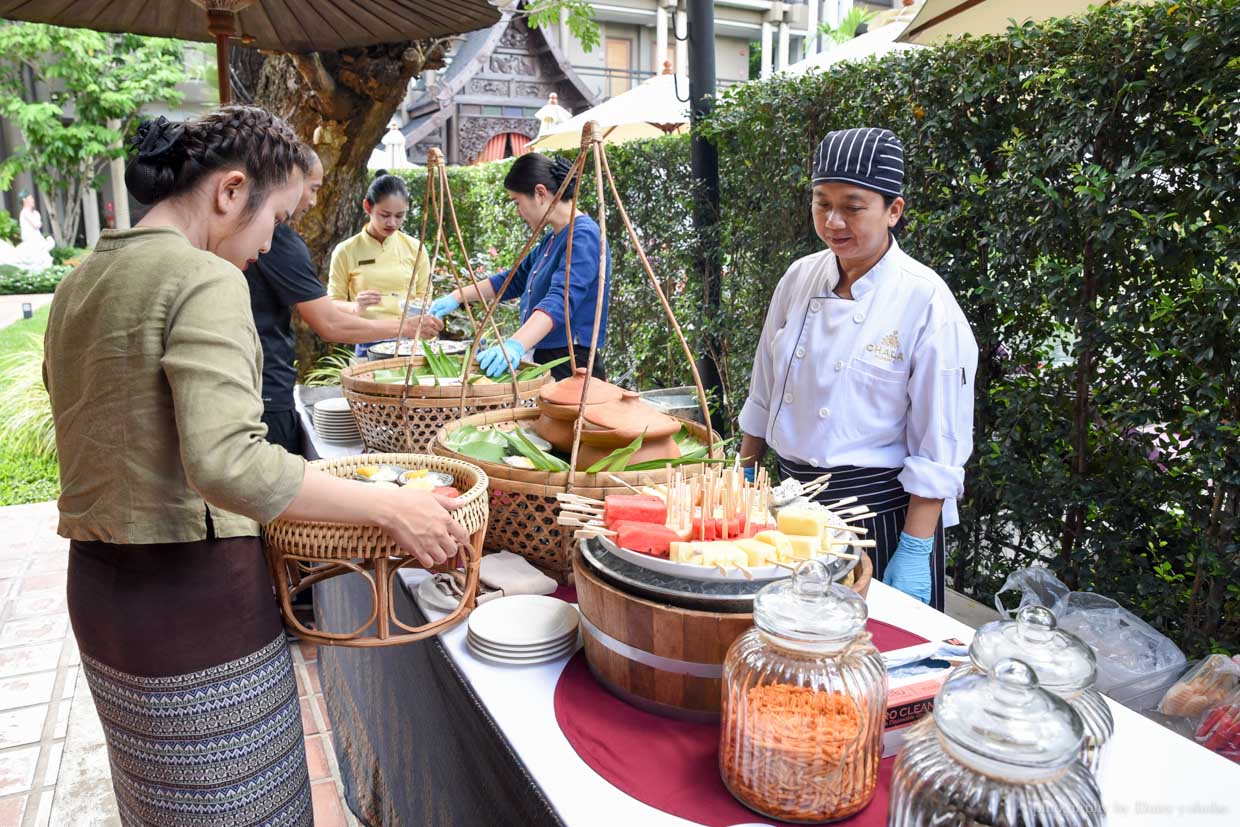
880, 41
941, 19
648, 110
393, 155
552, 114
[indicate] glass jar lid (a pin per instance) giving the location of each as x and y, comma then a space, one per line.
1004, 718
1063, 662
808, 608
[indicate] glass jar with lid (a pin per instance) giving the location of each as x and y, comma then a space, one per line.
997, 750
1064, 664
804, 700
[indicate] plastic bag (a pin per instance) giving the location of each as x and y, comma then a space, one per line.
1205, 686
1136, 663
1220, 728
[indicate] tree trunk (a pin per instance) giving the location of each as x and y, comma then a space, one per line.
339, 103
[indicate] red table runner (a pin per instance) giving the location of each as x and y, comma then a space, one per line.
674, 765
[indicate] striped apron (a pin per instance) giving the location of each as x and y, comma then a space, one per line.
880, 490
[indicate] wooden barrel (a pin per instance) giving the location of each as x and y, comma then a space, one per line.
661, 658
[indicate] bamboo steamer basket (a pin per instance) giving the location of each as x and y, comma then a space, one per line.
523, 503
302, 553
662, 658
380, 408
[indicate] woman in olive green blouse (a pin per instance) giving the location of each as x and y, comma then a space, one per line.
154, 369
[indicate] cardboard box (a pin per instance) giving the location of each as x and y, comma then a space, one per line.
914, 676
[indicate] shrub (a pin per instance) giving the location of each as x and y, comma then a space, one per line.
16, 281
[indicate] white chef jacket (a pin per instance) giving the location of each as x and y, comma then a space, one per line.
884, 380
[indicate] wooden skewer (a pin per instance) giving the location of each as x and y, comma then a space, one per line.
584, 508
860, 517
576, 498
856, 509
851, 529
842, 503
587, 533
614, 478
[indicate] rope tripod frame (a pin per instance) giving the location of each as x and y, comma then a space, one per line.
592, 146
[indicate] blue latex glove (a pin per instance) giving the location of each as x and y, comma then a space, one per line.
751, 472
443, 305
492, 359
909, 568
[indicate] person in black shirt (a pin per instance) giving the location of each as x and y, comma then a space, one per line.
283, 278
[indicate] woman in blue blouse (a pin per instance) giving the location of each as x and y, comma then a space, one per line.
540, 280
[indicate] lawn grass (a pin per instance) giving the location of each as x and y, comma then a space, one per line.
25, 478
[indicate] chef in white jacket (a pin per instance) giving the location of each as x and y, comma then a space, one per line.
865, 367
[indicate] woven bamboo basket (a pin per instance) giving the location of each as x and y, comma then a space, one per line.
379, 408
523, 506
304, 553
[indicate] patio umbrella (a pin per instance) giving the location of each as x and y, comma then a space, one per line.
874, 43
275, 25
940, 19
648, 110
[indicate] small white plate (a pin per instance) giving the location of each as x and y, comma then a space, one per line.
335, 404
521, 651
507, 660
523, 620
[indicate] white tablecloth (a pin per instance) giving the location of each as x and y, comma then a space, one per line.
1151, 776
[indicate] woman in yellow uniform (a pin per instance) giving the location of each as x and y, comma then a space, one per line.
370, 271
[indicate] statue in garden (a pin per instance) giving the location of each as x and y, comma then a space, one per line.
34, 252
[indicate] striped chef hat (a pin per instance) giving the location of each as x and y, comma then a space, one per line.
872, 158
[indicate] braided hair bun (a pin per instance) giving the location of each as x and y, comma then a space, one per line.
533, 169
170, 158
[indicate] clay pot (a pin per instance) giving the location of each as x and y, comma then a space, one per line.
664, 448
566, 393
619, 423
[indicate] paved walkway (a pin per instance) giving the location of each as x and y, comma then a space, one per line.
53, 761
11, 306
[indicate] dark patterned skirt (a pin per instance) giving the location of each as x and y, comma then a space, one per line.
185, 655
880, 490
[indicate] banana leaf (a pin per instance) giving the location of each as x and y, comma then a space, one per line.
485, 451
532, 372
618, 459
542, 460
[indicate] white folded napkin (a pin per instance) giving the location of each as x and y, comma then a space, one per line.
512, 574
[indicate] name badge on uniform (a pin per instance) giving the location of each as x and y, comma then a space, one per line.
365, 261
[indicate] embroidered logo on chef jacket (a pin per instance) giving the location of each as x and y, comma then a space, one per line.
887, 349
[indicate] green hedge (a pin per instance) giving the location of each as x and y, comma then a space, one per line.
1075, 182
14, 280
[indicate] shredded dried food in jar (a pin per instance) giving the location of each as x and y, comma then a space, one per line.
793, 753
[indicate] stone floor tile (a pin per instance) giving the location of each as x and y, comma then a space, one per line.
54, 757
37, 603
44, 817
308, 726
313, 670
17, 769
8, 586
327, 722
22, 726
27, 690
11, 810
70, 684
23, 659
51, 581
84, 783
12, 568
62, 721
34, 630
328, 808
316, 758
48, 562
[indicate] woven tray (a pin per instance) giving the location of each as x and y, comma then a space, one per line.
523, 506
377, 408
302, 553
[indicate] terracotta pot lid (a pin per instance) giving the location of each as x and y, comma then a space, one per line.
630, 416
568, 391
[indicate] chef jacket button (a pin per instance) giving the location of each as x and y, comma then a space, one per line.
815, 306
858, 317
788, 398
800, 353
839, 366
823, 413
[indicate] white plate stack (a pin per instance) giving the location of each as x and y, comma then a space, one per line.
523, 629
334, 421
